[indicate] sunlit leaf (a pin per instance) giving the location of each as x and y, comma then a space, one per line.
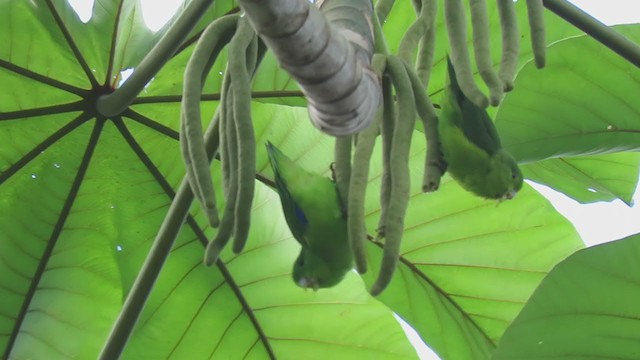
587, 307
589, 178
468, 264
82, 198
573, 107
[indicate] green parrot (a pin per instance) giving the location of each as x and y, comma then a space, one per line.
471, 146
313, 211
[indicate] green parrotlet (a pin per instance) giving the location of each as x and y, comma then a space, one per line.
313, 211
471, 146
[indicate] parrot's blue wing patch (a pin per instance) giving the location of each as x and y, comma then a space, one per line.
300, 215
295, 217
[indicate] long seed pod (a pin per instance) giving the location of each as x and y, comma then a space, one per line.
359, 178
457, 28
482, 49
229, 156
246, 152
357, 190
342, 168
191, 177
197, 177
342, 92
427, 45
417, 5
387, 128
535, 13
510, 43
225, 149
410, 40
210, 44
400, 176
417, 32
253, 54
435, 165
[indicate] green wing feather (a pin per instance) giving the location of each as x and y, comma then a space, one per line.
471, 147
295, 217
475, 122
312, 208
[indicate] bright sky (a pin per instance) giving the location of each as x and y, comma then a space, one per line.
596, 223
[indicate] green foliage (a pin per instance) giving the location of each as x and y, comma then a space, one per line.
82, 198
587, 307
589, 119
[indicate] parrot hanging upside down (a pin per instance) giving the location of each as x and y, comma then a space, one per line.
471, 146
313, 211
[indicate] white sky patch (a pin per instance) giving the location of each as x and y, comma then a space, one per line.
611, 12
424, 352
124, 75
84, 9
157, 13
597, 222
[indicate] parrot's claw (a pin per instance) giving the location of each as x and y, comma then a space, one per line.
332, 167
379, 236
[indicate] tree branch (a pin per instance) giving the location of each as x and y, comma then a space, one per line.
596, 29
116, 102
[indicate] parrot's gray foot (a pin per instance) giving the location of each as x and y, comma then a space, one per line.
343, 207
380, 234
332, 167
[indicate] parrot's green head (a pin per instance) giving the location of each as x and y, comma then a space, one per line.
310, 271
510, 177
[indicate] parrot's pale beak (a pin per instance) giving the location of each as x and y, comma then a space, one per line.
308, 283
510, 195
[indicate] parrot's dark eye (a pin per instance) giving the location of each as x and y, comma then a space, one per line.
514, 176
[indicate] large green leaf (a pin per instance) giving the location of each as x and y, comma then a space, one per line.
233, 311
587, 307
468, 264
589, 178
572, 110
82, 198
42, 50
573, 107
